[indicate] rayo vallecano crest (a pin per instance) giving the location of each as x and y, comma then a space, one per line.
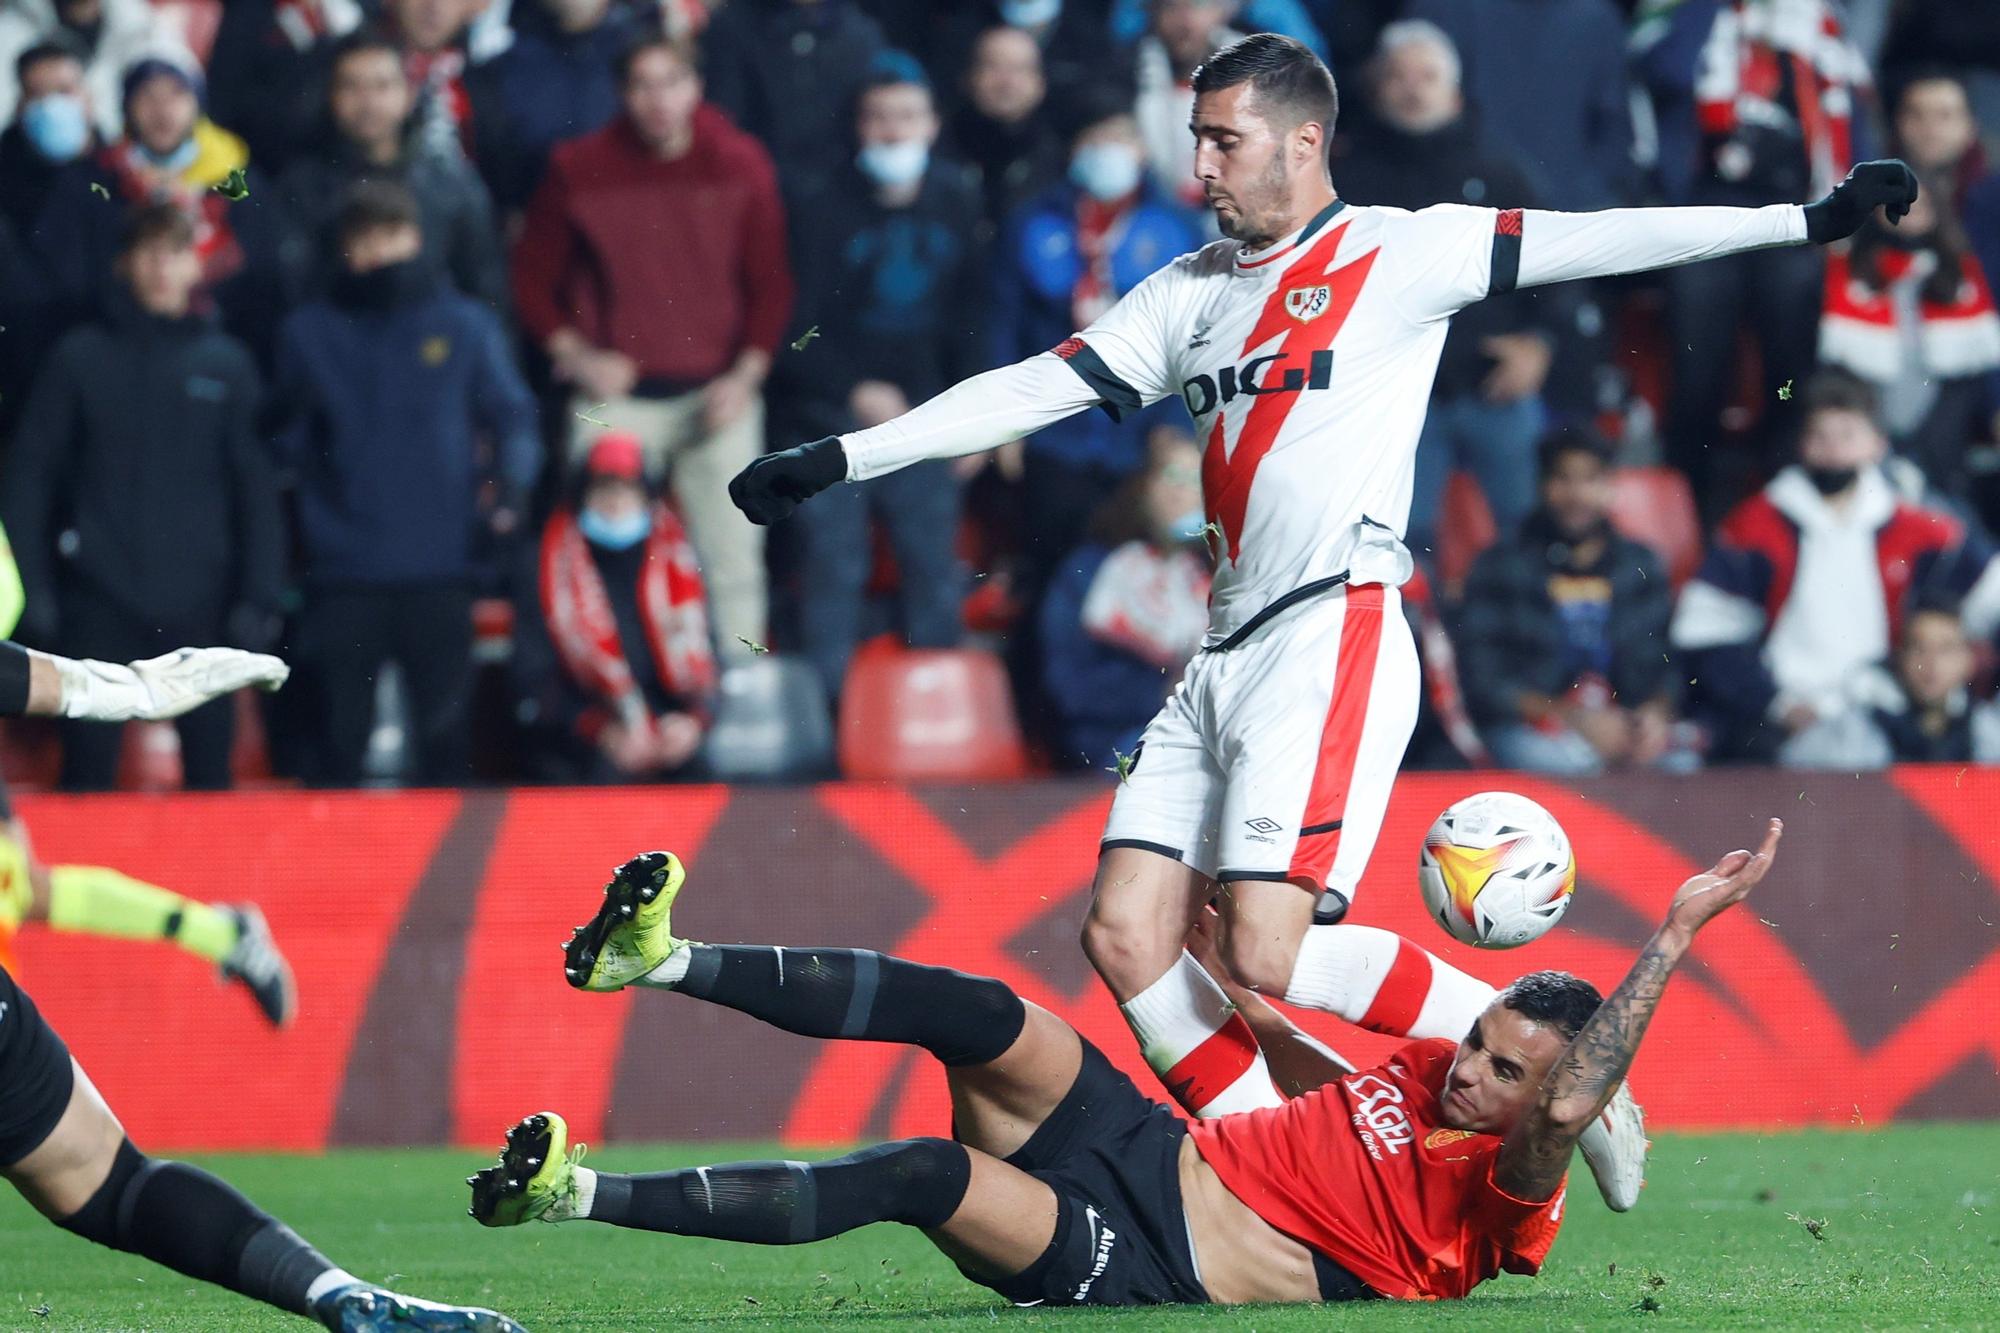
1306, 304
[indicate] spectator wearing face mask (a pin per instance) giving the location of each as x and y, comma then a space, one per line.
1910, 310
612, 656
892, 279
1004, 130
1808, 584
1424, 146
1127, 608
171, 153
653, 271
108, 35
1065, 259
52, 128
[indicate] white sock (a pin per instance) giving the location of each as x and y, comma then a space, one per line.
1379, 980
669, 973
1195, 1041
333, 1279
586, 1192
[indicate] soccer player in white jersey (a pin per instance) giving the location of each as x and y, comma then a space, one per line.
1304, 345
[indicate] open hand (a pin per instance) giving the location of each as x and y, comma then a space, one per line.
1724, 884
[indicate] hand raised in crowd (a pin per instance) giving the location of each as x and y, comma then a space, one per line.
1520, 366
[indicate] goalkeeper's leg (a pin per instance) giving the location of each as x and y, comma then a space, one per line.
62, 1147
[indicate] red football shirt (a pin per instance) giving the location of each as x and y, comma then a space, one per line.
1365, 1172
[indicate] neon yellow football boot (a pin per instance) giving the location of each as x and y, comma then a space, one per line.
629, 936
535, 1179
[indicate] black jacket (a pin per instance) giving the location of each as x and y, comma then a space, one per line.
460, 236
139, 439
1455, 165
896, 294
1509, 637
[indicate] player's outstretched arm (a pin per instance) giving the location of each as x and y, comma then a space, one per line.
1556, 247
1537, 1150
984, 412
36, 684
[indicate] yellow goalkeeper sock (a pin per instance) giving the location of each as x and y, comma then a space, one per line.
98, 900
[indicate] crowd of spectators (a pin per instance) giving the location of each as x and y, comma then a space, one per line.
331, 326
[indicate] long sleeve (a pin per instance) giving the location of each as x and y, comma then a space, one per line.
981, 413
542, 256
507, 409
1556, 247
46, 434
766, 264
260, 537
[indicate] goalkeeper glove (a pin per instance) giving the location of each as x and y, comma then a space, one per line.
776, 484
161, 687
1888, 184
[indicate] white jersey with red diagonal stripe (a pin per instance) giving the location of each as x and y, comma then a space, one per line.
1307, 367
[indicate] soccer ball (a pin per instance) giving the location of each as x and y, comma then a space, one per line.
1496, 870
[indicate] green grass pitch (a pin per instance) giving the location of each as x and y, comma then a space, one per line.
1908, 1225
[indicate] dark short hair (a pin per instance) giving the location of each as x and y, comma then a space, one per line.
370, 204
58, 46
1560, 443
1839, 391
363, 41
1556, 998
1926, 73
651, 37
153, 222
1285, 74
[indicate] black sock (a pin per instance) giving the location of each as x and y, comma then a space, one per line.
862, 995
919, 1182
190, 1221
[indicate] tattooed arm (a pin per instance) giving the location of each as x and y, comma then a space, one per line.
1537, 1150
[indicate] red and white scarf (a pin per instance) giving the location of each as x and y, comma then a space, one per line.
138, 183
672, 605
1858, 326
1740, 78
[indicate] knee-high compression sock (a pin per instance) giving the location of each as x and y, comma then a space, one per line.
852, 993
98, 900
1380, 981
190, 1221
1198, 1044
919, 1182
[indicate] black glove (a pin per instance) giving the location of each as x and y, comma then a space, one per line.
1887, 184
776, 484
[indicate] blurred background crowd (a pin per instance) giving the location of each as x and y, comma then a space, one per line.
418, 339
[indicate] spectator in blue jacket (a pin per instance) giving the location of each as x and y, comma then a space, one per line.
1127, 608
1064, 259
392, 385
556, 81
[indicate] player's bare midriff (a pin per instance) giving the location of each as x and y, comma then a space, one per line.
1241, 1257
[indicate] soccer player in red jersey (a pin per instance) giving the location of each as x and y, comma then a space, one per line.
1417, 1179
1303, 344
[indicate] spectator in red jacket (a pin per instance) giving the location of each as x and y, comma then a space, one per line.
652, 270
612, 655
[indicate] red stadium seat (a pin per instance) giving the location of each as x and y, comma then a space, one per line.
1465, 528
914, 715
1655, 507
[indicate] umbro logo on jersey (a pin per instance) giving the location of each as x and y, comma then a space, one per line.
1200, 336
1262, 825
1259, 375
